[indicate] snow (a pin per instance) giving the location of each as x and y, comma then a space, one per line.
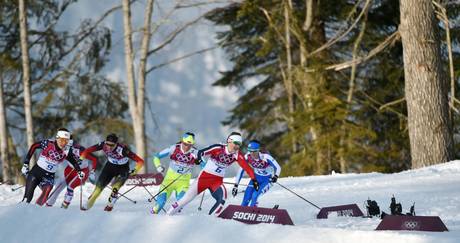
435, 191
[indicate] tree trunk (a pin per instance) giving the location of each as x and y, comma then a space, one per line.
430, 131
142, 76
288, 79
136, 107
6, 166
26, 74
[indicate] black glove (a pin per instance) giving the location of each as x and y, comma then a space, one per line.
274, 179
255, 183
235, 190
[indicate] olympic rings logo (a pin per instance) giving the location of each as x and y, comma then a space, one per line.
411, 225
183, 158
259, 164
56, 156
225, 159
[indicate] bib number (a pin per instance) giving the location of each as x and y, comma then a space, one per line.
50, 167
181, 170
219, 169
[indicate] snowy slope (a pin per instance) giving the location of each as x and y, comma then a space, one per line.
435, 190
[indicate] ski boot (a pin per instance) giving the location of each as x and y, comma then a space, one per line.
154, 210
112, 199
65, 205
108, 207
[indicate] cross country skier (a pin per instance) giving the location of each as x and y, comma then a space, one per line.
117, 167
70, 178
267, 171
182, 157
53, 153
211, 177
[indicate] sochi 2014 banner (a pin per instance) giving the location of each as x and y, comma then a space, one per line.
256, 215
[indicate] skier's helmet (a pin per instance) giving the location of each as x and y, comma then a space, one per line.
254, 146
235, 138
111, 138
188, 138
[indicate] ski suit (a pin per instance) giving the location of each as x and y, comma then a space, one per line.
264, 168
70, 178
177, 178
117, 167
212, 175
42, 174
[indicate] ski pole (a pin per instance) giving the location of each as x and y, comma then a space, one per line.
123, 195
81, 194
17, 188
201, 202
164, 210
298, 195
158, 193
231, 183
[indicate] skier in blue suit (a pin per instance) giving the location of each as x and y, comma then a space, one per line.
267, 171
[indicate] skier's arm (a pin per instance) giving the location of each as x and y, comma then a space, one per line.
158, 156
75, 162
207, 151
38, 145
91, 149
93, 159
135, 157
244, 164
238, 176
89, 156
275, 164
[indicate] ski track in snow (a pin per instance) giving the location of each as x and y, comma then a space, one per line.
435, 191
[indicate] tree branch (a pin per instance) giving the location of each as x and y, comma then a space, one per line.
340, 36
180, 58
390, 39
384, 106
174, 34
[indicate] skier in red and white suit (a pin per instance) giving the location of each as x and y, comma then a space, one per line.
221, 156
70, 178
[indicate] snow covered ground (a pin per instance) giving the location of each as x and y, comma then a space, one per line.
435, 191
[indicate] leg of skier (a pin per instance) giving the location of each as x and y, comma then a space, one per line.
73, 181
220, 195
163, 197
247, 195
188, 197
182, 187
264, 188
119, 182
46, 187
160, 202
31, 183
104, 179
55, 193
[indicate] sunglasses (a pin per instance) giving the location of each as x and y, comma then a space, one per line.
236, 143
110, 144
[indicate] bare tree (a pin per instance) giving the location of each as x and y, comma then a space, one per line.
426, 87
26, 73
4, 139
136, 105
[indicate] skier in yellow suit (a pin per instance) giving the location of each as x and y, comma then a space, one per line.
182, 156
